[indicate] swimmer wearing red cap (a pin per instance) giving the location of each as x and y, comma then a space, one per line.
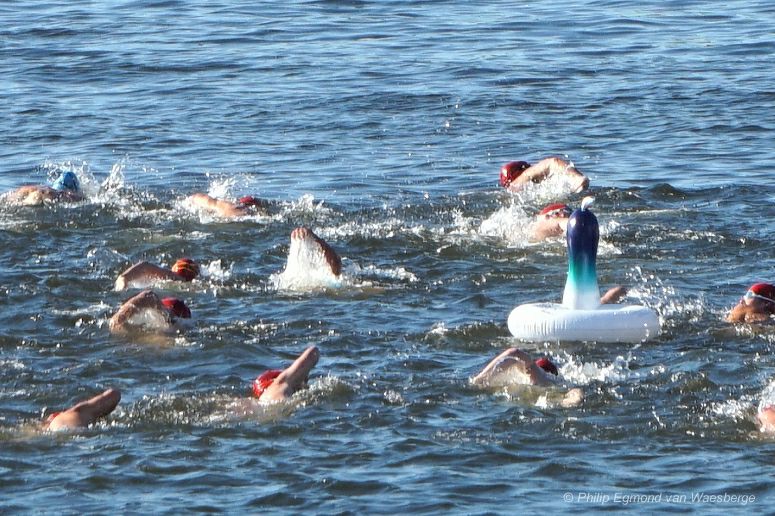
184, 269
756, 306
515, 175
551, 221
84, 413
514, 364
247, 205
168, 310
66, 188
279, 385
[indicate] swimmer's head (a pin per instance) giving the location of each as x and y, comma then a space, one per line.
186, 268
512, 170
261, 383
547, 365
556, 210
761, 291
250, 202
67, 181
177, 307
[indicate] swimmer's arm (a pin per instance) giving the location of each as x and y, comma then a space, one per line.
143, 300
742, 313
614, 295
333, 259
144, 270
86, 412
294, 376
512, 357
737, 314
32, 195
223, 208
543, 228
539, 171
553, 166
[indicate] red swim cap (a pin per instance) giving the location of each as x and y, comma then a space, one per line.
765, 291
177, 307
556, 210
249, 201
511, 170
186, 268
547, 365
265, 380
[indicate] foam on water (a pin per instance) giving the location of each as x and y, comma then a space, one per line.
306, 268
509, 223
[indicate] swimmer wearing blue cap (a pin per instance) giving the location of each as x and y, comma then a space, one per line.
66, 188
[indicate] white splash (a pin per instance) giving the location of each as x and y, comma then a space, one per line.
306, 268
509, 223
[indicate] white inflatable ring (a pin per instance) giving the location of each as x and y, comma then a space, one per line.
538, 322
581, 316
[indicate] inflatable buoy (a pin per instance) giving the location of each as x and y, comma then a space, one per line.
581, 316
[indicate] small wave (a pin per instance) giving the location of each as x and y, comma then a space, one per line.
574, 371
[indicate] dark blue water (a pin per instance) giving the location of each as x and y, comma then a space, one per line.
382, 126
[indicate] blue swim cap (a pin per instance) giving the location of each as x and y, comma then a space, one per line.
67, 181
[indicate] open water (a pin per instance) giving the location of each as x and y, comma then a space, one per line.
382, 126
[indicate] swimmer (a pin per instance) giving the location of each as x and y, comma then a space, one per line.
65, 188
279, 385
514, 366
84, 413
247, 205
516, 174
146, 311
146, 273
756, 306
551, 221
